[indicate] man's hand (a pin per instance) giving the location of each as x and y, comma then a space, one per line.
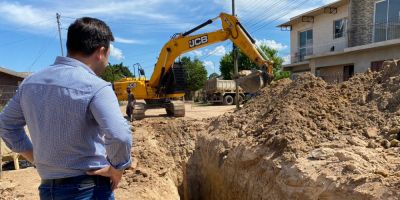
28, 155
109, 171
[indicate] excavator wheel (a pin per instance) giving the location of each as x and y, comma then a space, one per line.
138, 111
175, 109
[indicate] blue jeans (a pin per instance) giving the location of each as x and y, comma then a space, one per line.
80, 187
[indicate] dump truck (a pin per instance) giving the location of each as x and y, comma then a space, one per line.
222, 91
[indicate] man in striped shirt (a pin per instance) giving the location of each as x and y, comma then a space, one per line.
80, 143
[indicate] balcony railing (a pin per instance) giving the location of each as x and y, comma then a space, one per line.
386, 31
373, 33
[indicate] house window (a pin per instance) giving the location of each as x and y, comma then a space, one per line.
339, 28
377, 66
387, 20
348, 72
306, 44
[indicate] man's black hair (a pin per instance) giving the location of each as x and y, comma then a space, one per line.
87, 34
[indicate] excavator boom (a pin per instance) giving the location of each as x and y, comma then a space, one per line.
233, 30
166, 85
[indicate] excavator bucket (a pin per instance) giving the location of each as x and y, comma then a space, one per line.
254, 81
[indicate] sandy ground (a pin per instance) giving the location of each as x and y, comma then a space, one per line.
23, 184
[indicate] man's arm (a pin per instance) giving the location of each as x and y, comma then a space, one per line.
118, 139
12, 122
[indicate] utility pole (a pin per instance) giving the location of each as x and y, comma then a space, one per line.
1, 159
59, 33
235, 64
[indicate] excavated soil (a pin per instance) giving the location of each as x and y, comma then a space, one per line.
301, 139
305, 139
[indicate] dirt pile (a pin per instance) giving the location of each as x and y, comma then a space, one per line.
305, 139
7, 190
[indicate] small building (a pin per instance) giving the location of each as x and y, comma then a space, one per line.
345, 37
9, 81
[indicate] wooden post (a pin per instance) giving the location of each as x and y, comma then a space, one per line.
16, 161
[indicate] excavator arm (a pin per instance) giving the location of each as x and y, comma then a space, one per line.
232, 29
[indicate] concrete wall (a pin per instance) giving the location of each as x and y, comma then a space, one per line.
361, 22
361, 59
323, 33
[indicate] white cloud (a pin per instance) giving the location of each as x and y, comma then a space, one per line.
41, 16
286, 60
218, 51
272, 44
209, 65
198, 53
26, 15
116, 53
127, 41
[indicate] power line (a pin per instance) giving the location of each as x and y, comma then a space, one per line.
256, 15
286, 13
14, 42
277, 5
25, 26
42, 50
139, 24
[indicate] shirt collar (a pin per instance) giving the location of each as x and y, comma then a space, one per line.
72, 62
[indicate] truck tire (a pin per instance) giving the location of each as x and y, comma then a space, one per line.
228, 100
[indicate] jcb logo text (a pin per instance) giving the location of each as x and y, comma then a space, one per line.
198, 41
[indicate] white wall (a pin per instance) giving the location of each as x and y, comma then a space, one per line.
361, 59
323, 32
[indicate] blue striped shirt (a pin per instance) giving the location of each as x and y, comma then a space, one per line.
74, 121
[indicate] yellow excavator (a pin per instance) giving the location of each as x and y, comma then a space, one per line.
166, 86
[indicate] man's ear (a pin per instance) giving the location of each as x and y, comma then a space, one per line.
100, 53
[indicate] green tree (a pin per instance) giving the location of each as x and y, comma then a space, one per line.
196, 74
245, 63
213, 75
116, 72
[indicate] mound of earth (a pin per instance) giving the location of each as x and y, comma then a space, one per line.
305, 139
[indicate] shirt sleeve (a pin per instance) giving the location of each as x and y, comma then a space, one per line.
12, 122
118, 139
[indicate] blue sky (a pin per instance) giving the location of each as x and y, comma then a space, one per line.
29, 39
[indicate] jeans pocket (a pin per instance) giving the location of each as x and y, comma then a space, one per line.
104, 192
86, 186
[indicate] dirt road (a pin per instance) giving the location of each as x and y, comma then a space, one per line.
138, 183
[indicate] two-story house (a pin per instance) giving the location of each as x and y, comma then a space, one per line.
345, 37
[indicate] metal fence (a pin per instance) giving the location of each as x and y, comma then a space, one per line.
333, 78
6, 93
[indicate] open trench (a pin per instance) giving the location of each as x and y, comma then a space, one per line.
302, 139
181, 159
